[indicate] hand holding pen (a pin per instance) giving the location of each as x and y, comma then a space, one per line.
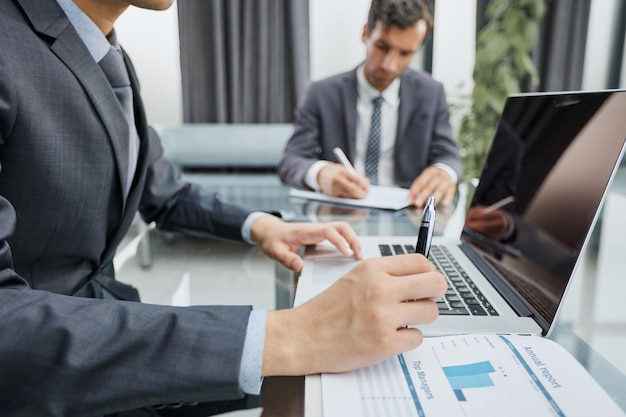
427, 226
342, 180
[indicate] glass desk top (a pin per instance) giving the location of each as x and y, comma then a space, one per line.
181, 270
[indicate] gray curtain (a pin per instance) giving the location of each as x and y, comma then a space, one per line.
560, 52
617, 47
243, 61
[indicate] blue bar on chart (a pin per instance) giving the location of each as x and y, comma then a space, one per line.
471, 375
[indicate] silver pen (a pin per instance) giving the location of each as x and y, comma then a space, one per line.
341, 156
427, 225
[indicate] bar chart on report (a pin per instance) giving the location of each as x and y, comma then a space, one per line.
472, 385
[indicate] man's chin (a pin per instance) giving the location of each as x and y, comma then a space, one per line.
383, 82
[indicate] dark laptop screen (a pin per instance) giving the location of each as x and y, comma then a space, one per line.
542, 185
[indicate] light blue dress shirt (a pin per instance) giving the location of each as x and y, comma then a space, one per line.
251, 361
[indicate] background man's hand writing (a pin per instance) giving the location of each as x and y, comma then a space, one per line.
337, 181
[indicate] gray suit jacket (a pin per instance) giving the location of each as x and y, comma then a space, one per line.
63, 160
326, 118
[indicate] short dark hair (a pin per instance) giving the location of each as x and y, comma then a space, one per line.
400, 13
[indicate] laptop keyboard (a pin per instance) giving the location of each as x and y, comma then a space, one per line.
462, 298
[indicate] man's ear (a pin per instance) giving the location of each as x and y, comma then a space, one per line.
364, 34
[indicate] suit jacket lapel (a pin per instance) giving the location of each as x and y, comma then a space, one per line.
48, 18
349, 97
406, 108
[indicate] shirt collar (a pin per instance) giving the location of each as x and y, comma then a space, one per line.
391, 94
88, 31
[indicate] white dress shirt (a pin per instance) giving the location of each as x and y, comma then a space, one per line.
388, 125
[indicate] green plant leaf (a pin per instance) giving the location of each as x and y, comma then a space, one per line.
503, 49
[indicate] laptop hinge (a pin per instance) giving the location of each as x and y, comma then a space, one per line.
516, 303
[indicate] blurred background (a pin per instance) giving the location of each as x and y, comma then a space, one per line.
248, 61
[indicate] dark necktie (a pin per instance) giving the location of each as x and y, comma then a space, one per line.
113, 67
372, 154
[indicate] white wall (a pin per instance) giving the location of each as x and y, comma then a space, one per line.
151, 38
335, 35
453, 52
597, 59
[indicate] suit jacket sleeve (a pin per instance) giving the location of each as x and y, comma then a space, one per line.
69, 356
304, 147
178, 206
444, 148
424, 135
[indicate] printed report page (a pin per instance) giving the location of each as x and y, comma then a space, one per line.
470, 375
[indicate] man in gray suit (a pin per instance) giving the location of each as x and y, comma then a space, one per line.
414, 146
70, 185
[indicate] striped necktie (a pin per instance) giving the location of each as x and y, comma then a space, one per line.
372, 154
115, 70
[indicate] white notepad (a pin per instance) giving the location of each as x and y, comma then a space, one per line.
379, 197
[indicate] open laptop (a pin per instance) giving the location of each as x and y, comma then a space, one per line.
551, 161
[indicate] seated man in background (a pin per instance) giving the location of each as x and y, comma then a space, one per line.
391, 122
78, 161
